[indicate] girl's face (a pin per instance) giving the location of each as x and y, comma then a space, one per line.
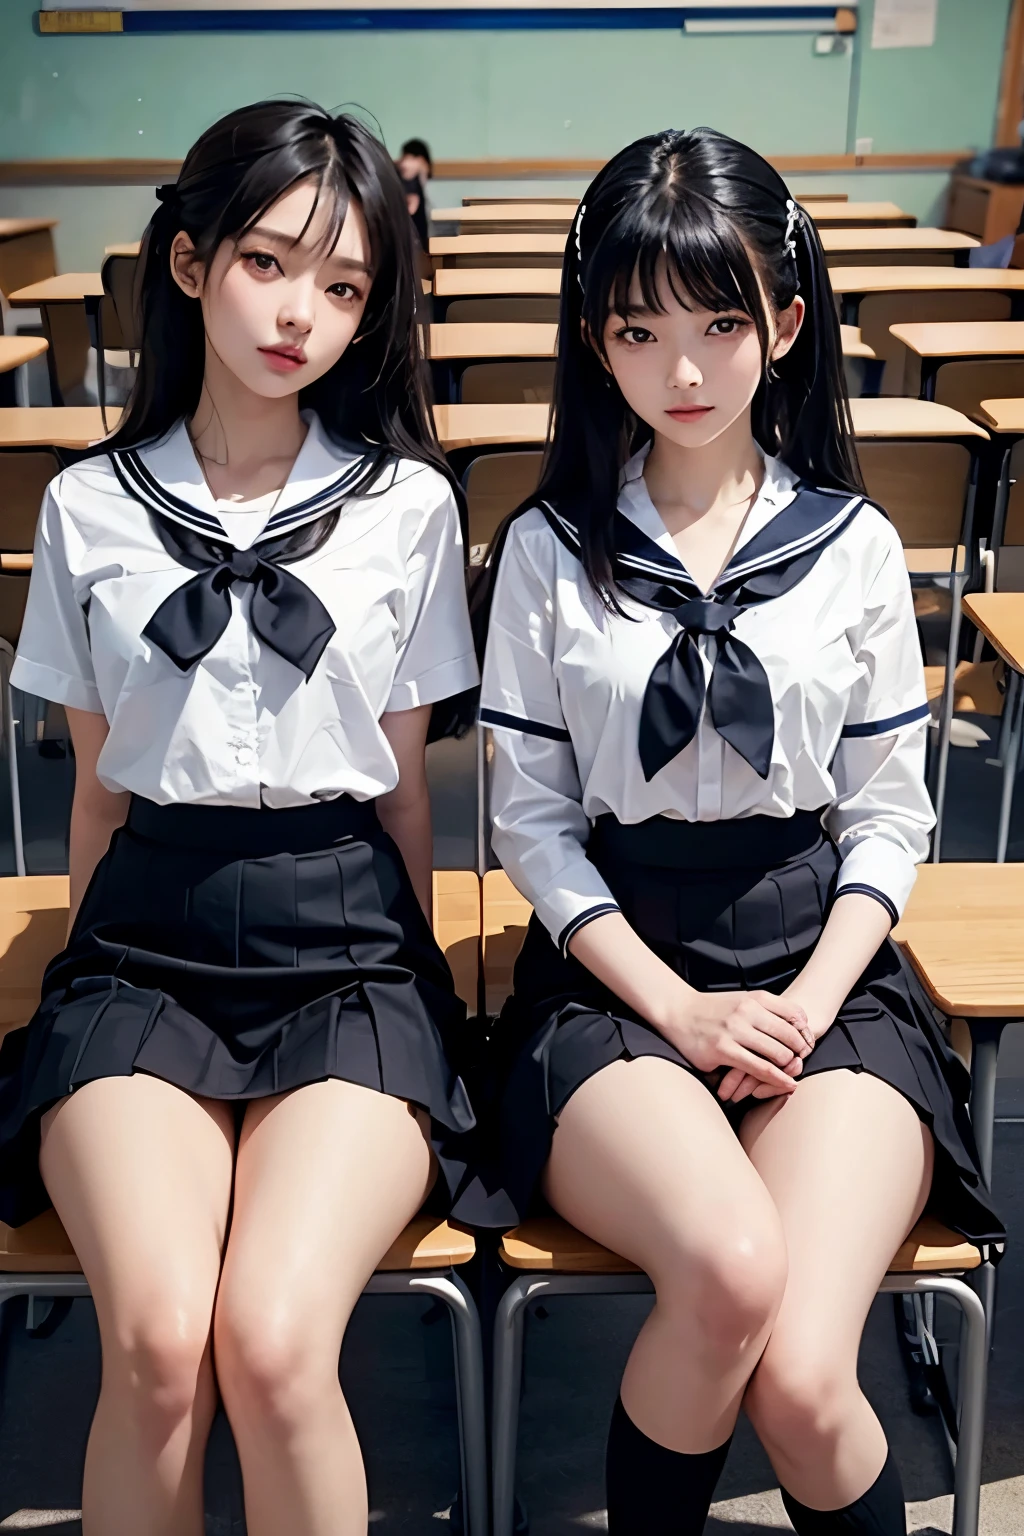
690, 373
280, 310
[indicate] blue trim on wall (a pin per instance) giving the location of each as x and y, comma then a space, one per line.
539, 19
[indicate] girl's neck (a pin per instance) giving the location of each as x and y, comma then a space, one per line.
245, 443
687, 483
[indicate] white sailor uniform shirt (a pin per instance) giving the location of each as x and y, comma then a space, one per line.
243, 725
565, 680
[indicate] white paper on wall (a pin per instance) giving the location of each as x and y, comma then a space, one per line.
904, 23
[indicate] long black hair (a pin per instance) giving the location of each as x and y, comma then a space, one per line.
375, 397
714, 218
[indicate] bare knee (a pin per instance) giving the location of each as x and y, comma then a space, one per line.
798, 1400
274, 1366
157, 1364
725, 1297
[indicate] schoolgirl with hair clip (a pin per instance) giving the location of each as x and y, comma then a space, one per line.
706, 695
239, 1086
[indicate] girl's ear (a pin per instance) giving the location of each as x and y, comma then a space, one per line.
185, 268
787, 327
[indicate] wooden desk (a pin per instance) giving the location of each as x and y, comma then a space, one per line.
127, 248
897, 417
62, 303
492, 339
493, 283
26, 252
962, 340
859, 215
16, 351
517, 202
1003, 416
497, 250
48, 426
1000, 617
821, 197
893, 247
988, 209
851, 284
853, 343
483, 426
542, 214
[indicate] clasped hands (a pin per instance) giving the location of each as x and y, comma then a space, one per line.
757, 1040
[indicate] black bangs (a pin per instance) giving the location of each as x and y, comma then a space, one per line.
697, 218
376, 396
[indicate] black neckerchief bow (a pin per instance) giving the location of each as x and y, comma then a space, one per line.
738, 694
285, 613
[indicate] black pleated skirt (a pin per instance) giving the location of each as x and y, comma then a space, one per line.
241, 953
735, 904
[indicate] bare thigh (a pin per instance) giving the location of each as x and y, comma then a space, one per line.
140, 1174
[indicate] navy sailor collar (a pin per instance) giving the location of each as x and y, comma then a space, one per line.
166, 477
810, 520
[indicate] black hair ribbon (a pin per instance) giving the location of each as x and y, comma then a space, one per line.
285, 613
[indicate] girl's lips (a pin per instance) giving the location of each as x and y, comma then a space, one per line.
689, 412
283, 360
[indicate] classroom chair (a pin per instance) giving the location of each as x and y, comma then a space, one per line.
495, 483
37, 1260
525, 309
550, 1258
878, 311
113, 319
527, 379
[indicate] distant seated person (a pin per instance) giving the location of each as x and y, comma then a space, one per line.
415, 161
416, 204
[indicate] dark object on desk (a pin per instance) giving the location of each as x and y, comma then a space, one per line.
1006, 165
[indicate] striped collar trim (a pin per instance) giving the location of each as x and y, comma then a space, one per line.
139, 482
812, 518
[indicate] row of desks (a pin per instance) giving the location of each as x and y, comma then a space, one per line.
519, 215
480, 426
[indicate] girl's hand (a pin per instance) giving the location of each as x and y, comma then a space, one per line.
736, 1085
754, 1034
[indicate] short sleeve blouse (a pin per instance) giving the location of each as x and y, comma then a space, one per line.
243, 725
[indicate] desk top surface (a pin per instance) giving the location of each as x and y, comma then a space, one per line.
824, 211
1003, 415
10, 229
895, 240
1000, 616
962, 338
480, 426
498, 245
896, 416
507, 213
51, 426
466, 282
67, 288
866, 280
495, 338
15, 351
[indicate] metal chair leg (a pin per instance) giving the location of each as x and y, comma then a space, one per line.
508, 1378
1011, 757
469, 1378
11, 742
946, 711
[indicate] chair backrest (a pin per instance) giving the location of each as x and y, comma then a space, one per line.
13, 597
921, 484
118, 277
530, 380
963, 385
880, 310
506, 915
457, 928
24, 476
540, 309
494, 484
33, 924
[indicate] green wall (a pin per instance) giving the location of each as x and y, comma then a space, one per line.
473, 94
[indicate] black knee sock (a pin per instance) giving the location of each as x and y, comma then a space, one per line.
879, 1512
653, 1491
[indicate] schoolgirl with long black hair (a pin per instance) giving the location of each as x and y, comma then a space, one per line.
248, 601
709, 716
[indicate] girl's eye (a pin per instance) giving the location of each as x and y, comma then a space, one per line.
262, 261
727, 325
635, 335
343, 291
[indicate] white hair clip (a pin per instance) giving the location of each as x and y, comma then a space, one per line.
792, 220
579, 252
